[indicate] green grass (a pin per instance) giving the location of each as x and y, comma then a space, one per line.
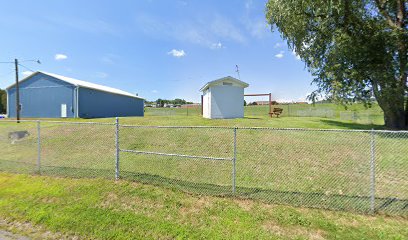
103, 209
313, 169
256, 116
326, 110
355, 113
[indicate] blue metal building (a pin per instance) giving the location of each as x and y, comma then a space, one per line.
47, 95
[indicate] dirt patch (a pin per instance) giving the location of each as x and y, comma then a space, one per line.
293, 232
4, 235
245, 204
196, 206
134, 204
13, 230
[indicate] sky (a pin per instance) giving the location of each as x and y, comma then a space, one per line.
154, 48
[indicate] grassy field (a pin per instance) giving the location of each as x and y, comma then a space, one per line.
356, 113
255, 116
326, 110
316, 169
58, 208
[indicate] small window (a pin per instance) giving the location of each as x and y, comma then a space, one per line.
226, 84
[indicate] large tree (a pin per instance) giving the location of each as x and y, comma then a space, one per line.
3, 101
355, 49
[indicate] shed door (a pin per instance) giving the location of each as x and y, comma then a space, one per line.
63, 110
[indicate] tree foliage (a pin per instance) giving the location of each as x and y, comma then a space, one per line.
3, 101
176, 101
355, 49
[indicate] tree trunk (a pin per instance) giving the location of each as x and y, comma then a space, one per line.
395, 118
393, 106
406, 114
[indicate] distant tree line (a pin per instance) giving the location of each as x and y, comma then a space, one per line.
3, 101
160, 102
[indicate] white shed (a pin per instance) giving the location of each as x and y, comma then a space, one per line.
223, 98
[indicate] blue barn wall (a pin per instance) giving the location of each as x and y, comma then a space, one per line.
96, 104
41, 96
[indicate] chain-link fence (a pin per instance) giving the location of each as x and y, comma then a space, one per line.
188, 110
352, 170
329, 111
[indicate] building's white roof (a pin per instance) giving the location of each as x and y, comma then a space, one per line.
228, 78
84, 84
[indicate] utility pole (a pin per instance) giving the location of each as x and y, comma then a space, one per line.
17, 92
16, 64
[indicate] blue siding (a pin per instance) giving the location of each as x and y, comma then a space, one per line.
96, 104
42, 96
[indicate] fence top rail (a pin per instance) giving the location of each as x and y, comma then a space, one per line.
211, 127
326, 130
150, 126
175, 155
268, 128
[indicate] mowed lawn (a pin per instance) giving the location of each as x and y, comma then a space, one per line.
304, 115
257, 116
63, 208
317, 169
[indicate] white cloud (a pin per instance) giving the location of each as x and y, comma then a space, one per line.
191, 35
258, 28
255, 25
101, 75
87, 25
60, 57
108, 59
68, 69
177, 53
200, 31
249, 4
216, 45
280, 54
278, 45
155, 91
26, 73
222, 27
182, 3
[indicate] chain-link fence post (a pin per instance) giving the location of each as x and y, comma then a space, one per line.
234, 159
372, 172
39, 147
117, 148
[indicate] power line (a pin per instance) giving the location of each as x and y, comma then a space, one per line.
16, 64
3, 75
29, 69
31, 60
